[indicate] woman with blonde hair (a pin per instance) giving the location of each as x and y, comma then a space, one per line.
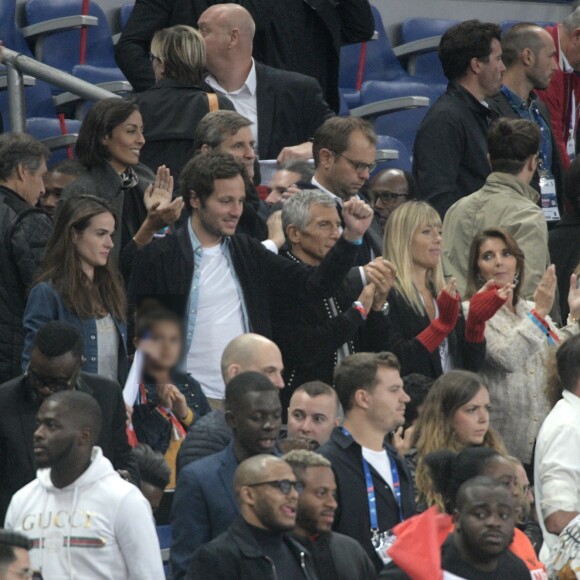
425, 327
454, 415
79, 283
174, 106
519, 338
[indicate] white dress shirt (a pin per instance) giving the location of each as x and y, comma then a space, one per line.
243, 99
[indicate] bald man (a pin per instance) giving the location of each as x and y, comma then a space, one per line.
78, 502
290, 34
285, 107
248, 352
256, 545
389, 189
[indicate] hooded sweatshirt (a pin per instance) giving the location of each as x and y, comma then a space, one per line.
99, 526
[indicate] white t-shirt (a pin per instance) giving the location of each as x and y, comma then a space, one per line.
219, 319
381, 464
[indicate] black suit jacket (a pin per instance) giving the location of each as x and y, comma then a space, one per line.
18, 422
397, 333
312, 49
291, 107
503, 108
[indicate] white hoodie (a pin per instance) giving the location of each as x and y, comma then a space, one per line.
99, 526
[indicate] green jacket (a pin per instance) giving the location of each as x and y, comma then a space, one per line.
504, 201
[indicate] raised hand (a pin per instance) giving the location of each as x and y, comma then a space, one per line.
161, 191
546, 292
574, 298
451, 287
357, 217
382, 274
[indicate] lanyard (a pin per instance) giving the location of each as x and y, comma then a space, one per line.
371, 490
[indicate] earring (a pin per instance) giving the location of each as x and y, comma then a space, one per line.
517, 279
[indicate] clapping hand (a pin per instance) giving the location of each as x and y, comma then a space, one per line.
546, 292
161, 191
574, 298
451, 287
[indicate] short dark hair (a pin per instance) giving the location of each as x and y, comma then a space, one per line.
519, 37
416, 386
318, 389
146, 321
572, 185
20, 149
244, 383
82, 409
567, 369
216, 126
68, 167
57, 338
359, 371
303, 168
511, 142
10, 540
99, 123
335, 133
200, 173
464, 41
153, 468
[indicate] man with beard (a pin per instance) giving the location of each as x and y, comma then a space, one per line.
55, 365
336, 556
83, 519
478, 549
257, 544
205, 500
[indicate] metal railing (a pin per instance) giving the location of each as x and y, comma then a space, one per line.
17, 65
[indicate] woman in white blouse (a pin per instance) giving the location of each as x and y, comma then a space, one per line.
519, 337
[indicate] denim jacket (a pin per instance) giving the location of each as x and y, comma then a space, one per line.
45, 304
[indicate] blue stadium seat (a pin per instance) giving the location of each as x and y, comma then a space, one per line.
62, 48
38, 98
507, 24
404, 124
379, 63
426, 67
124, 13
404, 161
49, 131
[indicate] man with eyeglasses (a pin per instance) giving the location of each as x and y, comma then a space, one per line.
205, 503
55, 365
388, 189
257, 544
336, 556
14, 558
344, 151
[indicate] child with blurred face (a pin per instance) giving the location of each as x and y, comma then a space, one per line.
169, 401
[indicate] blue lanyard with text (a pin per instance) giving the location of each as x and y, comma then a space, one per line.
371, 489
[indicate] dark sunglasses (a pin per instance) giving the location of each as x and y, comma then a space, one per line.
386, 196
284, 485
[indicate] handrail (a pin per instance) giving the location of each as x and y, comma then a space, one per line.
18, 64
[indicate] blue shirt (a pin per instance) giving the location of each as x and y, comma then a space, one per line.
530, 112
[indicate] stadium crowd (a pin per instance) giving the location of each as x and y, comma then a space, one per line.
349, 374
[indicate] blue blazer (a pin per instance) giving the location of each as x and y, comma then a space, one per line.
204, 506
44, 305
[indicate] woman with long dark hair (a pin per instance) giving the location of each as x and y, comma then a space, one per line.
79, 283
109, 146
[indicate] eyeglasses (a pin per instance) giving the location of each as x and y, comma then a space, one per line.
284, 485
387, 196
28, 574
358, 166
38, 381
